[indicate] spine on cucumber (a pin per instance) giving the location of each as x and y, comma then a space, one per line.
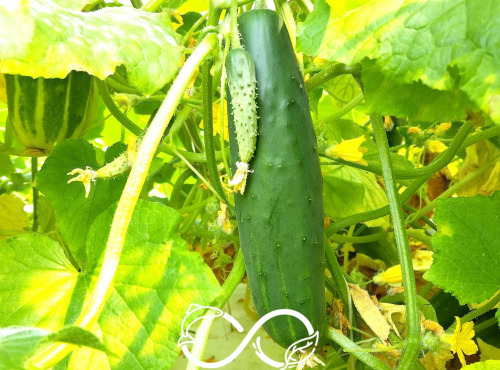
43, 111
280, 215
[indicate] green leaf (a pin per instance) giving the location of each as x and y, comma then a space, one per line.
488, 352
17, 344
74, 212
40, 38
37, 282
447, 46
348, 191
467, 256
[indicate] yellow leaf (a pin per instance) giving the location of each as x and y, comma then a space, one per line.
216, 120
370, 312
13, 219
477, 156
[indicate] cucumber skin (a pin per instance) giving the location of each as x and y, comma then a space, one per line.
280, 215
67, 106
241, 82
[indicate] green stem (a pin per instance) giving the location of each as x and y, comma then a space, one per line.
228, 288
95, 302
452, 190
153, 5
338, 277
426, 289
193, 28
195, 206
358, 239
437, 164
458, 141
209, 130
34, 171
177, 188
116, 85
428, 222
332, 71
235, 34
202, 233
485, 325
356, 351
427, 240
344, 110
412, 342
480, 311
377, 213
113, 109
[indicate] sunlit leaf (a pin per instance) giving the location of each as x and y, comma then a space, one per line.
448, 47
41, 39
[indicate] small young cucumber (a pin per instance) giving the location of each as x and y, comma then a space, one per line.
280, 215
241, 81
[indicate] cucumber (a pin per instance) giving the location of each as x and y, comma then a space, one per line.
280, 215
240, 71
43, 111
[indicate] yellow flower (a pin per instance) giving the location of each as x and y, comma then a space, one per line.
413, 130
436, 146
461, 340
392, 275
349, 150
443, 127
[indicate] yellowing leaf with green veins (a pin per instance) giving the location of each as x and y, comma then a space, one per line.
157, 278
409, 54
42, 39
13, 219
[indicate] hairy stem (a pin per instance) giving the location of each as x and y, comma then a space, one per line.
412, 341
353, 348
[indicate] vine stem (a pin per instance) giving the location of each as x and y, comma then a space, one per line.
412, 342
458, 142
478, 312
94, 305
452, 189
354, 349
228, 288
441, 161
34, 171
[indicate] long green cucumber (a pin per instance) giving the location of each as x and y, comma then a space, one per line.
280, 215
43, 111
